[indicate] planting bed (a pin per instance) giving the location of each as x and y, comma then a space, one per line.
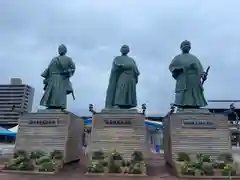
114, 164
204, 167
34, 163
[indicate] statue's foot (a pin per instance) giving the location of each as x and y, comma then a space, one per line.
187, 107
124, 107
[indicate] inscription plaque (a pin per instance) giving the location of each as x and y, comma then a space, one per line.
43, 122
118, 122
207, 124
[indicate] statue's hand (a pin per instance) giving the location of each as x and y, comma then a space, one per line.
204, 76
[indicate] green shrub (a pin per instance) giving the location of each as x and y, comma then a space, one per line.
25, 166
56, 154
47, 167
182, 156
36, 154
206, 158
123, 163
116, 156
98, 155
17, 160
198, 164
135, 169
184, 167
43, 159
199, 156
189, 171
105, 163
208, 169
219, 164
128, 163
96, 167
114, 168
137, 156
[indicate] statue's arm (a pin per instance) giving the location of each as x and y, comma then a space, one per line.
174, 68
45, 73
200, 67
71, 68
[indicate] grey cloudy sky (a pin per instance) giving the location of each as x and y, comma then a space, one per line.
94, 30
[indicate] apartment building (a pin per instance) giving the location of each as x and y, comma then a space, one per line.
15, 98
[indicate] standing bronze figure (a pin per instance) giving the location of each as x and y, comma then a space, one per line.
56, 81
124, 75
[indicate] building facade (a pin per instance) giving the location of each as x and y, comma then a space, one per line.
15, 99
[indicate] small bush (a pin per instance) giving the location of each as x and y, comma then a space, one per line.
208, 169
116, 156
43, 159
219, 164
123, 163
56, 154
128, 163
105, 163
17, 160
96, 167
25, 166
47, 167
182, 156
137, 156
114, 168
206, 158
36, 154
135, 169
198, 164
189, 171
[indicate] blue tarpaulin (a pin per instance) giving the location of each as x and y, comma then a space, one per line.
5, 132
88, 121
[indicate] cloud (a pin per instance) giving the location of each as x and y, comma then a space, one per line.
94, 31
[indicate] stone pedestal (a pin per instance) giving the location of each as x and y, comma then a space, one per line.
193, 131
49, 130
123, 130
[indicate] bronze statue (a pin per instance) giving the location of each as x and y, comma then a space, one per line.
189, 74
121, 90
56, 81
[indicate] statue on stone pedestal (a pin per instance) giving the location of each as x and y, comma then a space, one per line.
121, 90
56, 81
188, 72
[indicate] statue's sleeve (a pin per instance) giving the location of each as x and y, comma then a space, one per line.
200, 67
71, 67
136, 69
176, 68
45, 73
110, 95
174, 65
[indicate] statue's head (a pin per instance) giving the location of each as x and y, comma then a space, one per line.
62, 50
185, 46
125, 49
